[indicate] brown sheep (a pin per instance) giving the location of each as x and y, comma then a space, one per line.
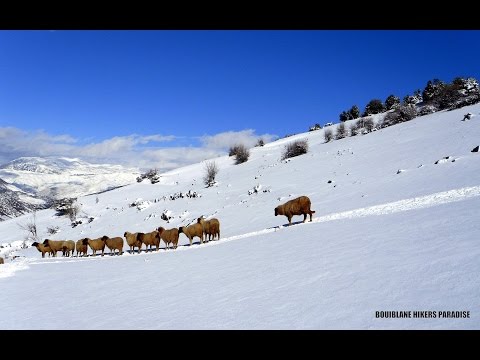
2, 261
55, 245
151, 238
68, 246
132, 241
169, 236
192, 231
43, 249
95, 244
113, 244
298, 206
210, 227
81, 248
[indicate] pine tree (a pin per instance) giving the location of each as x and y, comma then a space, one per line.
344, 116
432, 89
375, 106
392, 102
354, 112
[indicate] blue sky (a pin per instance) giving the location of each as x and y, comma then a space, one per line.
132, 91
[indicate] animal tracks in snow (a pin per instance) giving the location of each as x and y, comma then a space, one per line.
419, 202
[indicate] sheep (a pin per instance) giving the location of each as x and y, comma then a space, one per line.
192, 231
113, 244
151, 238
55, 245
95, 244
210, 227
298, 206
67, 247
43, 249
2, 261
132, 241
169, 236
81, 248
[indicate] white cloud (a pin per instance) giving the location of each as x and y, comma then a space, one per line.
129, 150
226, 139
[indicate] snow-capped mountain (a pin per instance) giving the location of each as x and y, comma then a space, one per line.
59, 177
395, 229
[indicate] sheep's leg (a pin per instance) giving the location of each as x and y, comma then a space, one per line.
304, 217
289, 220
311, 216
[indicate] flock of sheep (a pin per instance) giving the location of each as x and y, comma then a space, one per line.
202, 229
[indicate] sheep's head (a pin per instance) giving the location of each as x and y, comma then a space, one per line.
161, 229
104, 238
125, 235
276, 211
85, 241
35, 244
45, 242
200, 220
180, 229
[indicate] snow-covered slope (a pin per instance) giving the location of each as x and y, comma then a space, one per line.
395, 229
61, 177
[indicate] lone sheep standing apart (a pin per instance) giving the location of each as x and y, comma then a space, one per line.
298, 206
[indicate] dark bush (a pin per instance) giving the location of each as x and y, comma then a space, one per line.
241, 154
427, 109
260, 143
295, 148
402, 114
233, 150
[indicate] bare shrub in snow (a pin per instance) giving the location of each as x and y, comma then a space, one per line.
52, 230
211, 171
328, 134
242, 154
31, 230
354, 130
295, 148
341, 131
260, 143
233, 150
73, 211
368, 124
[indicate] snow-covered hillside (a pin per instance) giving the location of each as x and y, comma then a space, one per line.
395, 229
15, 202
61, 177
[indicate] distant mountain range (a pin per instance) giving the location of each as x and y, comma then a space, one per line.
27, 183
